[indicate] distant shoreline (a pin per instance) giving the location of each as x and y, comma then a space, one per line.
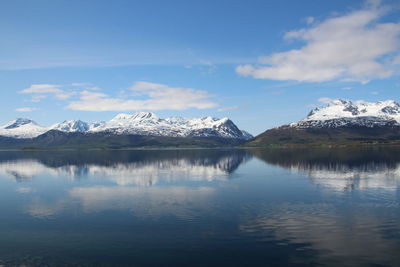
269, 146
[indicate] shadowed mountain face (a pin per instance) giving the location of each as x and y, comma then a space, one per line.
341, 169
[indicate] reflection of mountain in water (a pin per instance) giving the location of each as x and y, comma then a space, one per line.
125, 167
341, 168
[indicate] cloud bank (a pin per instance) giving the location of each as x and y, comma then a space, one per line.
25, 109
40, 91
145, 96
352, 47
230, 108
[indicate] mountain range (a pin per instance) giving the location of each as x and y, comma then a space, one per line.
340, 122
124, 130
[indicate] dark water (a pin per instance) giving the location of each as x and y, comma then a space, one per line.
337, 207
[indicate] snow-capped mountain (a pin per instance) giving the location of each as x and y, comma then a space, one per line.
140, 123
147, 123
71, 126
22, 128
341, 122
340, 113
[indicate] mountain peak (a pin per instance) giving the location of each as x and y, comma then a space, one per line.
341, 112
144, 115
340, 108
18, 122
22, 128
340, 122
71, 126
340, 101
136, 116
389, 103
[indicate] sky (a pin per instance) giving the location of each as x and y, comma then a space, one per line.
260, 63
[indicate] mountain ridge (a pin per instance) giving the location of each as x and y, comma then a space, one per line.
341, 122
140, 123
360, 113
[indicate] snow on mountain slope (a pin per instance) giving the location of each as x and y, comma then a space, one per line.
140, 123
147, 123
341, 113
22, 128
71, 126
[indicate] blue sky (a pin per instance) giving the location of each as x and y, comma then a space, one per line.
261, 63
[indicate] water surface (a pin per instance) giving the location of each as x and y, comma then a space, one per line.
329, 207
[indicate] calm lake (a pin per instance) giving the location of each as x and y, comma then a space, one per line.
329, 207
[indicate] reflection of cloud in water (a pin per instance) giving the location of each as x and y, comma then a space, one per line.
341, 177
24, 190
139, 172
42, 209
179, 201
148, 202
339, 238
341, 169
135, 173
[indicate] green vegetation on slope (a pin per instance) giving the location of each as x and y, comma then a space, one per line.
60, 140
290, 136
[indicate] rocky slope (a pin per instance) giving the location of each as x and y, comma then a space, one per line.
340, 122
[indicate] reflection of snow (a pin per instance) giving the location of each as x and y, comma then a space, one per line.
22, 170
143, 173
342, 177
135, 179
134, 174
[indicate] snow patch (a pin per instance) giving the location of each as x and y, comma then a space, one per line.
140, 123
339, 113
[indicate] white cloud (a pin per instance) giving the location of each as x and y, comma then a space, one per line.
229, 108
210, 66
311, 106
396, 60
309, 20
347, 88
346, 47
86, 86
37, 98
278, 92
40, 90
80, 84
25, 109
149, 96
64, 95
325, 100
